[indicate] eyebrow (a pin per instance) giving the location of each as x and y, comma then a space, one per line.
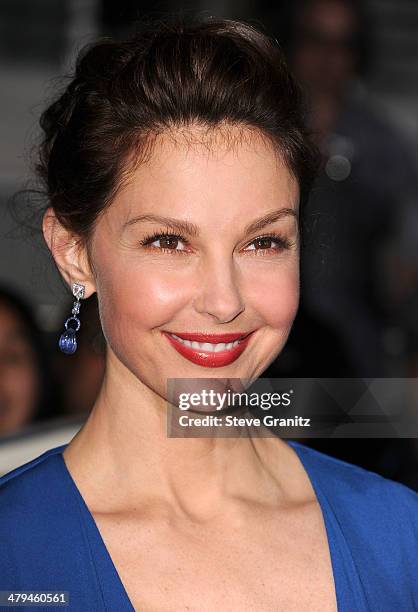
191, 229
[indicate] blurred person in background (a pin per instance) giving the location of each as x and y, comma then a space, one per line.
360, 261
27, 391
359, 267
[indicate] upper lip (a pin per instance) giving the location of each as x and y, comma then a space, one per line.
212, 338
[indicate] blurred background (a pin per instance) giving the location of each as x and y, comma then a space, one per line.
358, 64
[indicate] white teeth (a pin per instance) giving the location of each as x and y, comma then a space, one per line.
219, 347
207, 346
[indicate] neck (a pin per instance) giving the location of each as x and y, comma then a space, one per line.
124, 444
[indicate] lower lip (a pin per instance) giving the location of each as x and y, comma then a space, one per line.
206, 358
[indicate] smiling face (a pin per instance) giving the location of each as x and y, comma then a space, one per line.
214, 273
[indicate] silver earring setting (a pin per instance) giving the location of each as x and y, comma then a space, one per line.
68, 341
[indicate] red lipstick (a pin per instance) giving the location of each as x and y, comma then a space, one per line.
207, 358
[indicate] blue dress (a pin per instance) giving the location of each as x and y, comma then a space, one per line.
49, 540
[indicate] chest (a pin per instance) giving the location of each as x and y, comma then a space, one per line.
278, 562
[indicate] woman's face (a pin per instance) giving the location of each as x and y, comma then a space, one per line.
217, 279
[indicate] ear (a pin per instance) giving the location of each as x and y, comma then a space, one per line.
69, 253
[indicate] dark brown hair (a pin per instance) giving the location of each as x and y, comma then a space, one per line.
169, 74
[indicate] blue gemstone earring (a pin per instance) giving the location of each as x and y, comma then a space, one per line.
67, 341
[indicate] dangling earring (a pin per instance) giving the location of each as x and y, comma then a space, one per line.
67, 341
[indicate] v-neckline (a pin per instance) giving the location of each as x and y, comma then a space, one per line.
114, 594
103, 561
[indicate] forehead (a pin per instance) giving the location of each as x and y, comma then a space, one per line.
204, 169
198, 145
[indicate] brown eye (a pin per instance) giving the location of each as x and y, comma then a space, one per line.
263, 243
268, 244
166, 243
169, 242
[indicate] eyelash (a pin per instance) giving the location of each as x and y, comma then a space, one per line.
147, 240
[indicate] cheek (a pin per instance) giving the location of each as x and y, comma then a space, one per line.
137, 298
274, 295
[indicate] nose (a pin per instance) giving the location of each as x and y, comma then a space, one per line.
219, 292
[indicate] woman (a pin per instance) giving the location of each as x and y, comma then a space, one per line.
176, 163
